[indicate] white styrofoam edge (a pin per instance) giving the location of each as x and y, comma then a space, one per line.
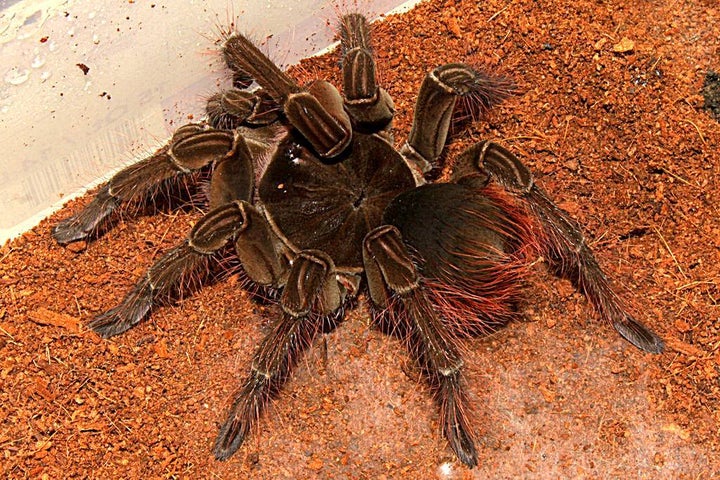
33, 221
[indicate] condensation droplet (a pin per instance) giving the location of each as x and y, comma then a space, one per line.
96, 39
38, 61
17, 76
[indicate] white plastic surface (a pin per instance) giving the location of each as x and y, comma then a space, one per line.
89, 86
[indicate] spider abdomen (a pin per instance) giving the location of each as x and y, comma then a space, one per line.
473, 247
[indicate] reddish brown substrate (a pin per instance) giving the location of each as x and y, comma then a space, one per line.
610, 119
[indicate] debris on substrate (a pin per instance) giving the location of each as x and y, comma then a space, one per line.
616, 133
711, 93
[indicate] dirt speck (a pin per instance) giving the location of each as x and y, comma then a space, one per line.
711, 93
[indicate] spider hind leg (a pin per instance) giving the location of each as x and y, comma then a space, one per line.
560, 239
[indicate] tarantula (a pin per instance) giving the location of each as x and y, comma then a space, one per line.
321, 207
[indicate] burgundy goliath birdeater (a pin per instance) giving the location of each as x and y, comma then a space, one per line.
321, 208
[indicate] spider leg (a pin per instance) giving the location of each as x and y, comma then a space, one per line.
435, 105
233, 175
391, 272
562, 242
262, 254
191, 148
317, 111
311, 288
166, 275
369, 106
234, 107
258, 249
231, 217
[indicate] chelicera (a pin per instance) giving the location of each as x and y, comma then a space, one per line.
321, 208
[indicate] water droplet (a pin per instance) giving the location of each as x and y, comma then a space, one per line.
17, 76
45, 75
38, 61
96, 39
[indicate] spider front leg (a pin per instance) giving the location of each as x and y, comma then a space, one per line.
391, 272
311, 294
561, 241
317, 111
369, 105
435, 104
191, 148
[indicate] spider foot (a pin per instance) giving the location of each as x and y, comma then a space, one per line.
234, 431
227, 442
464, 447
117, 320
456, 426
82, 225
639, 335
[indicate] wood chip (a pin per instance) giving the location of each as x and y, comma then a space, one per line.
43, 316
623, 46
677, 430
684, 348
161, 349
315, 464
453, 26
547, 393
